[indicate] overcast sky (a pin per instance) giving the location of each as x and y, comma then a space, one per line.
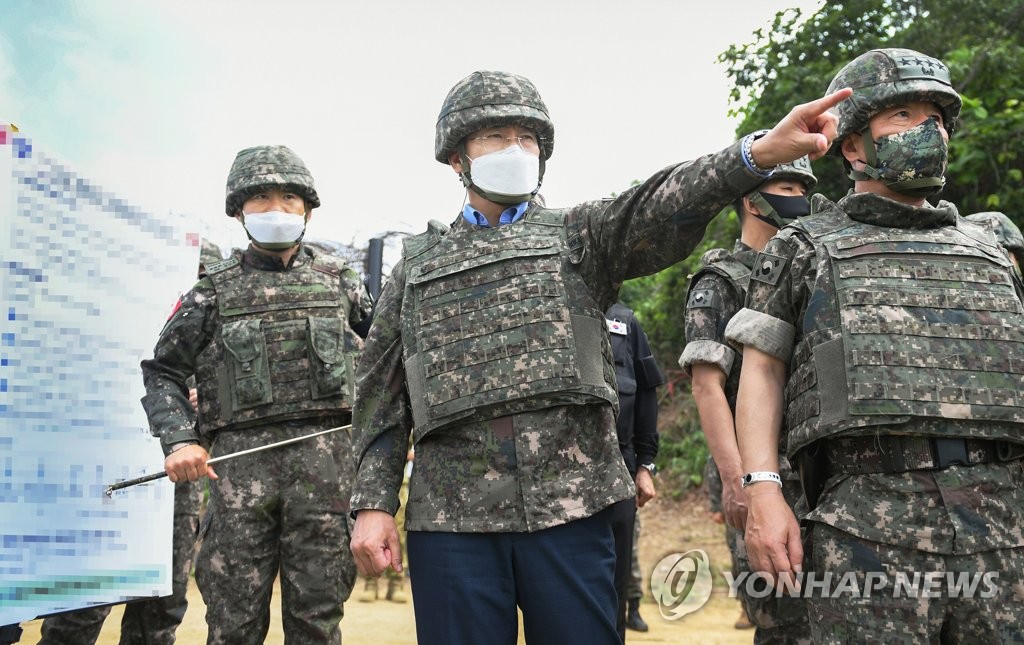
153, 99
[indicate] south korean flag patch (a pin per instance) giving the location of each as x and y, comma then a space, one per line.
701, 299
617, 327
767, 268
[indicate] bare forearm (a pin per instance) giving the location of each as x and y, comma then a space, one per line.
716, 419
759, 410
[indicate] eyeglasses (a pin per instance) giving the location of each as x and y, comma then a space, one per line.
496, 141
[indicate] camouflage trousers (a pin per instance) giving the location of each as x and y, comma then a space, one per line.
282, 511
891, 614
778, 620
145, 622
713, 485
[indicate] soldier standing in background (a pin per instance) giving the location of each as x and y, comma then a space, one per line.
1006, 232
152, 621
716, 294
488, 345
890, 333
272, 335
637, 377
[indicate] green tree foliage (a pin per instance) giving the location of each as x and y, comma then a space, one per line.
794, 60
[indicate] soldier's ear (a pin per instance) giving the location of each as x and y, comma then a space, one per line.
852, 148
455, 161
750, 207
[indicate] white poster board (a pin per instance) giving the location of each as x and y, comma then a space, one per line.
86, 283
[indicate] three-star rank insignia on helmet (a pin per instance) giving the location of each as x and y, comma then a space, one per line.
767, 268
701, 298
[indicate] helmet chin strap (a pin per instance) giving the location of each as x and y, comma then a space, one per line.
498, 198
768, 213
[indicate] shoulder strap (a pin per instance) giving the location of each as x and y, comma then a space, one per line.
417, 244
223, 265
724, 264
825, 218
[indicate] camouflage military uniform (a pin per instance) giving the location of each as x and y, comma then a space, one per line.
286, 375
716, 295
489, 347
539, 463
543, 467
889, 505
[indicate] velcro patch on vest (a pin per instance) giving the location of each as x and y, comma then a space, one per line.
768, 268
701, 299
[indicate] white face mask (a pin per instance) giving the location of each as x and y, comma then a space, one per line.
512, 172
274, 229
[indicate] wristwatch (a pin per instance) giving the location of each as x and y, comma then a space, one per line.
651, 468
760, 476
748, 158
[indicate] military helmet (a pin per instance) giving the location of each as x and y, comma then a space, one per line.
257, 168
488, 99
885, 77
798, 169
1006, 231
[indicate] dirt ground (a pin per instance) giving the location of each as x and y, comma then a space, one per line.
668, 527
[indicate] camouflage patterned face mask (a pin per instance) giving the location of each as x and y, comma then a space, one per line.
912, 162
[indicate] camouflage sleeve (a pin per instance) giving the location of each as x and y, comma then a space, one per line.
776, 297
382, 416
712, 302
657, 223
356, 292
187, 332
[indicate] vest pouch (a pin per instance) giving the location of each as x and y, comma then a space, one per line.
331, 359
248, 368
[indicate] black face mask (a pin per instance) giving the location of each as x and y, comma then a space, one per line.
779, 210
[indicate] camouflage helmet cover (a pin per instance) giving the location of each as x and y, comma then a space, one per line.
261, 166
486, 99
885, 77
1006, 231
798, 169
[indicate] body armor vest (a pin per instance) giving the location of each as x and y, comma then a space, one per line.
283, 350
497, 321
905, 324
